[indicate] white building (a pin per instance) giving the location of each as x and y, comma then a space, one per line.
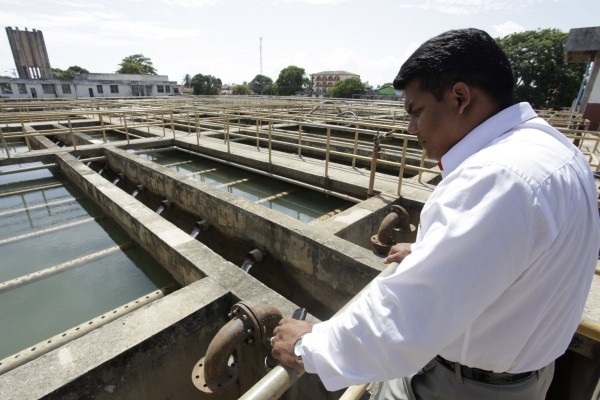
89, 85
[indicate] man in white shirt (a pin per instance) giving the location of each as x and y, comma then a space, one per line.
493, 289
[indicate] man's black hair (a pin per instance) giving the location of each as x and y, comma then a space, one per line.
464, 55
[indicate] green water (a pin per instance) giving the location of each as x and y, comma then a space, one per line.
30, 202
15, 147
297, 202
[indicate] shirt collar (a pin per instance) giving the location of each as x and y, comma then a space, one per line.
484, 133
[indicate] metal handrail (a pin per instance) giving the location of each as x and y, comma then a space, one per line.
228, 116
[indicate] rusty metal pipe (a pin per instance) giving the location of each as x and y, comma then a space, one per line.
255, 255
376, 149
218, 365
219, 369
385, 234
396, 219
280, 378
203, 225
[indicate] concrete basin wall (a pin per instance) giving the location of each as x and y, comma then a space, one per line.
309, 257
158, 237
150, 353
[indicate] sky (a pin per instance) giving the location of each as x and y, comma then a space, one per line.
235, 40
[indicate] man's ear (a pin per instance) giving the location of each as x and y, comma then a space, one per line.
462, 95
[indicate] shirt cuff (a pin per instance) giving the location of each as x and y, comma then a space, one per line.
307, 357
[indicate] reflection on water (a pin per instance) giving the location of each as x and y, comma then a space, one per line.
15, 146
297, 202
45, 222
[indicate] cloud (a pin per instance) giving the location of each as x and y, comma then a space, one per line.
507, 28
75, 3
100, 27
311, 2
464, 7
191, 3
143, 3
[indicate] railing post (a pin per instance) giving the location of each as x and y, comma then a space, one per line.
421, 164
103, 128
258, 125
197, 130
4, 143
71, 132
376, 142
227, 134
25, 133
327, 152
300, 140
355, 146
270, 129
402, 165
126, 131
172, 124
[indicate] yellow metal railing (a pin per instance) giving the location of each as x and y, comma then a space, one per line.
297, 125
283, 124
354, 131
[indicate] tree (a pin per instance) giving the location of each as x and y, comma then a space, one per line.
69, 73
261, 85
77, 69
58, 73
542, 76
187, 81
291, 80
307, 83
346, 88
137, 64
241, 90
206, 84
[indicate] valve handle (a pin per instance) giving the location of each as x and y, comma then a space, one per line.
300, 314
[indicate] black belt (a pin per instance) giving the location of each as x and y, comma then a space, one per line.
481, 375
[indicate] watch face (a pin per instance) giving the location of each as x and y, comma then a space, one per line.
298, 349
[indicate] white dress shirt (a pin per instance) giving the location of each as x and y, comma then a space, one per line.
500, 271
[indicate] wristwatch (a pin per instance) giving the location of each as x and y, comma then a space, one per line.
298, 351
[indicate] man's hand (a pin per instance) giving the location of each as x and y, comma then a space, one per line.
398, 252
285, 335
